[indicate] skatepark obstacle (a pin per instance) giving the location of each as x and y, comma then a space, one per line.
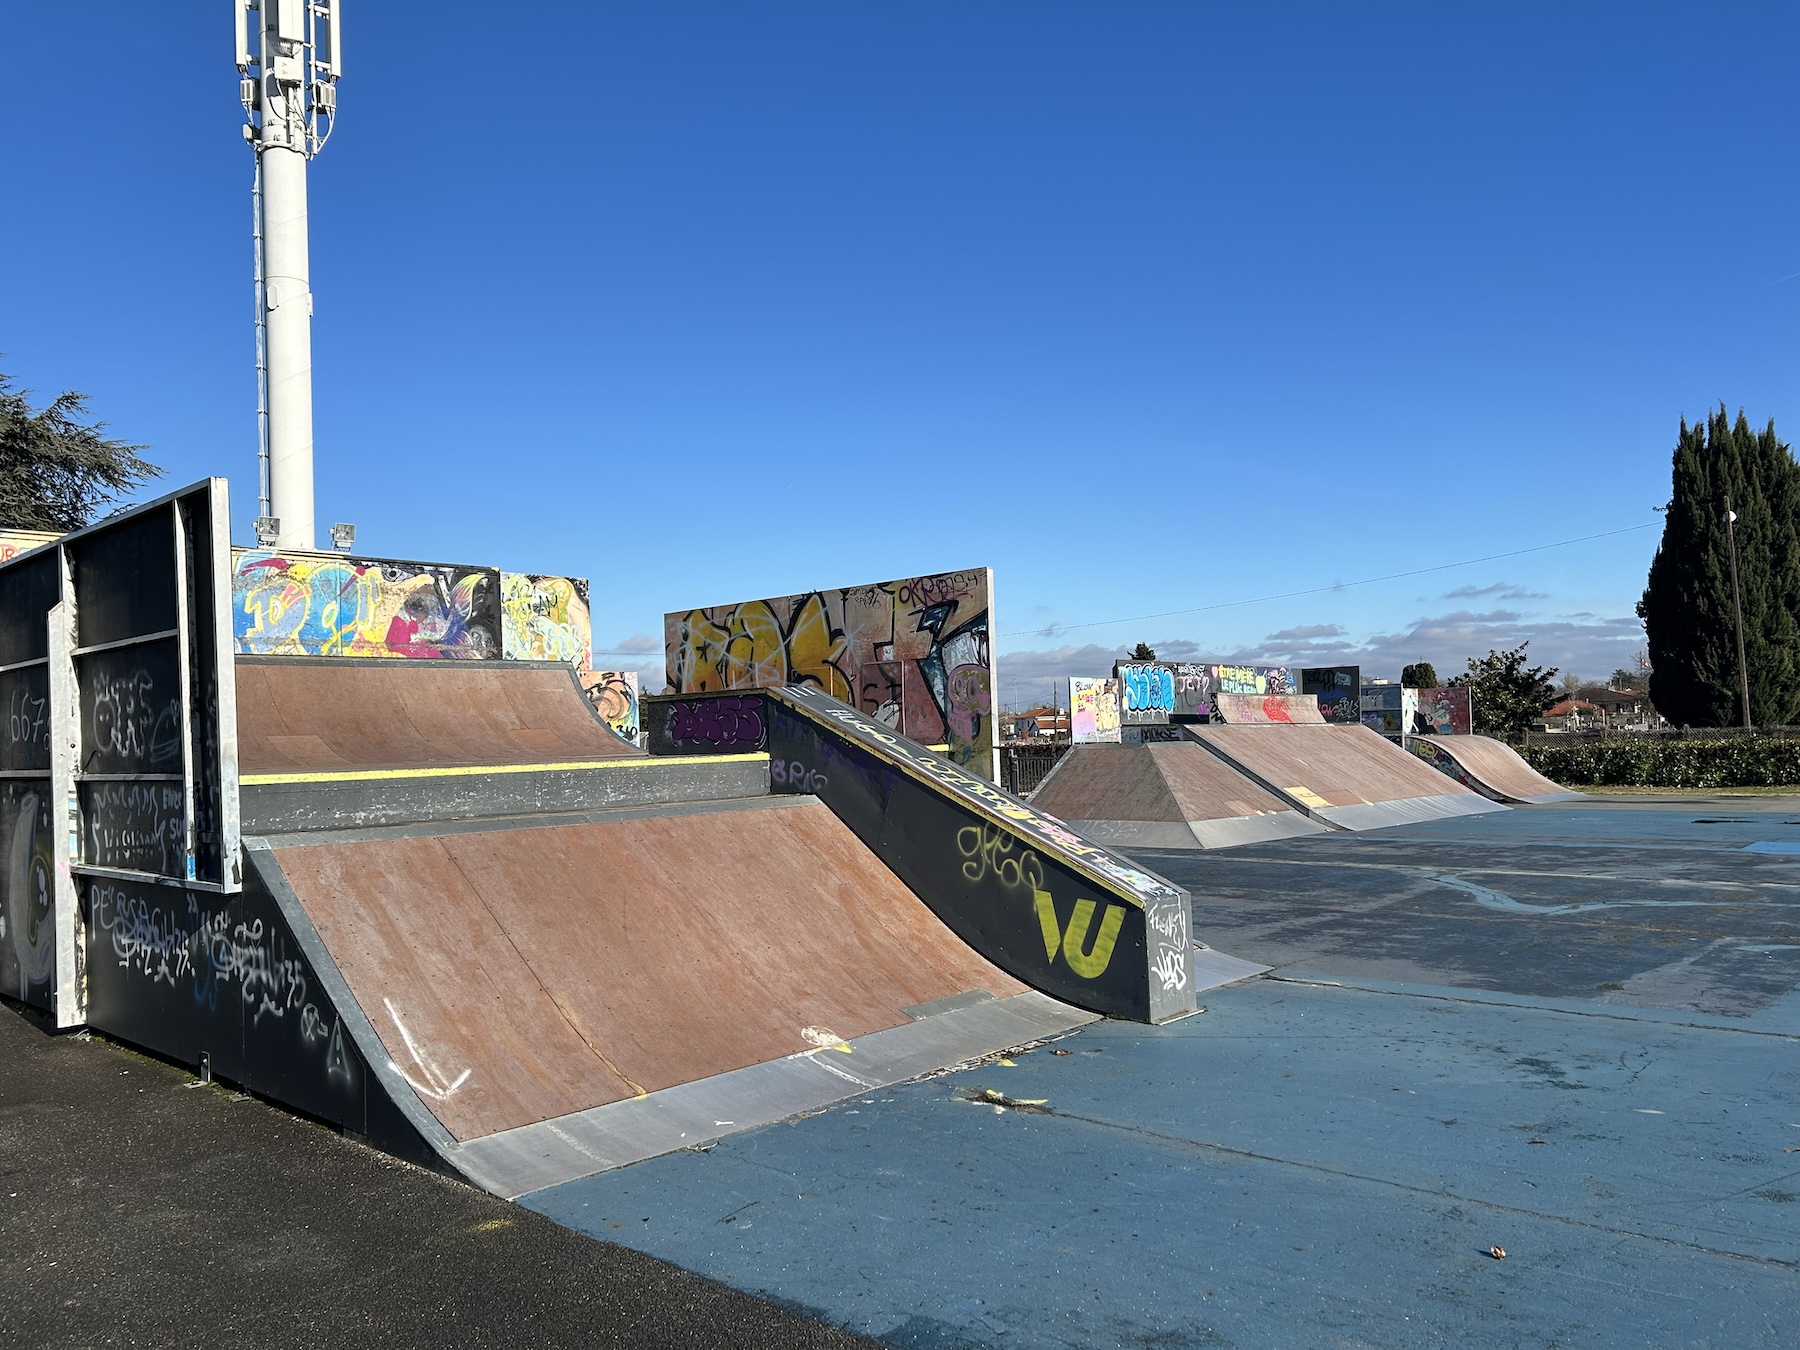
1488, 766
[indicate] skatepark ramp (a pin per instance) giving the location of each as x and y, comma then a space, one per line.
1166, 796
468, 923
1347, 777
1488, 766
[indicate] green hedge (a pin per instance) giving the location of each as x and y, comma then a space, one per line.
1750, 761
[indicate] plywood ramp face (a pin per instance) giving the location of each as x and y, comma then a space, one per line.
1491, 767
1170, 796
309, 716
520, 975
1338, 765
1108, 782
1206, 788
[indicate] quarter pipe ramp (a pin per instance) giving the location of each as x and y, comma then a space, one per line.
1488, 766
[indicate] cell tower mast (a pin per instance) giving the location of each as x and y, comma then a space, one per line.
289, 58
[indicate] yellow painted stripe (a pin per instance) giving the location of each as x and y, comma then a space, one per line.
467, 771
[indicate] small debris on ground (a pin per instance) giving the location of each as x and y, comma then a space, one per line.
1498, 1253
1001, 1102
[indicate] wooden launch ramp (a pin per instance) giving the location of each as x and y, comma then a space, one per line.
1347, 777
1488, 766
1170, 795
674, 948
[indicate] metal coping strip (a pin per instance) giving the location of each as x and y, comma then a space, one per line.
977, 801
24, 665
162, 636
473, 770
130, 778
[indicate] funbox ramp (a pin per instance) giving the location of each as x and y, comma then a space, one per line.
1173, 795
1348, 777
1488, 766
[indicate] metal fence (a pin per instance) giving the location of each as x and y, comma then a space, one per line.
1023, 767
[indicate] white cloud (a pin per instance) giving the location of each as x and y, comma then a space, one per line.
1499, 590
1306, 631
1592, 646
638, 644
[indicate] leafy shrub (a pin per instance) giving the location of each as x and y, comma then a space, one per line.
1751, 761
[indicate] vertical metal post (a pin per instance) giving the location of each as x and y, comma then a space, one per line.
68, 1000
1737, 608
184, 639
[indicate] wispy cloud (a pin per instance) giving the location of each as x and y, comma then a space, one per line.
1589, 645
638, 644
1306, 633
1500, 590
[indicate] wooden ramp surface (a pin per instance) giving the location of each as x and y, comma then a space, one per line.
299, 715
1491, 767
1347, 776
523, 974
1169, 795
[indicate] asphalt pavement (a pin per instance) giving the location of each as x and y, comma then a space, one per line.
139, 1210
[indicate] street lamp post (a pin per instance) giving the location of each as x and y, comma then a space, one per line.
1737, 608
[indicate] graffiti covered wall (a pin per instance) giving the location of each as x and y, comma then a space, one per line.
1093, 711
321, 604
912, 654
1146, 692
15, 542
1443, 712
545, 619
1339, 690
614, 694
1154, 693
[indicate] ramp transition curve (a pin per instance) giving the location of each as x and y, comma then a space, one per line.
1488, 766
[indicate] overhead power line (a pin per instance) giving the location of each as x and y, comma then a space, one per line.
1057, 629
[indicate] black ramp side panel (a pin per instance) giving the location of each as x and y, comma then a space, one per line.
189, 973
849, 779
706, 724
124, 579
1043, 904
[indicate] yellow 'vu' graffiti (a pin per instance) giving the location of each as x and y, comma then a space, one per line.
989, 852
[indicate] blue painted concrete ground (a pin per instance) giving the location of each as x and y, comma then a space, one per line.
1310, 1163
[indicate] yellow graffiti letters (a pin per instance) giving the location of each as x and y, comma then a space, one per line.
1088, 964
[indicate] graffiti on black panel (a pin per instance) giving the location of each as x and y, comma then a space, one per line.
139, 826
212, 956
27, 935
1086, 947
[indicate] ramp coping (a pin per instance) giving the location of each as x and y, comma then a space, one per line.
1134, 885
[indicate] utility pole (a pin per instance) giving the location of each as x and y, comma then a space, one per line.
1737, 607
289, 60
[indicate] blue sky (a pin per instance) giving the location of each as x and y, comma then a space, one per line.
1151, 307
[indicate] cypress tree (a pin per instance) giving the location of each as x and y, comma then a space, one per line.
1686, 607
